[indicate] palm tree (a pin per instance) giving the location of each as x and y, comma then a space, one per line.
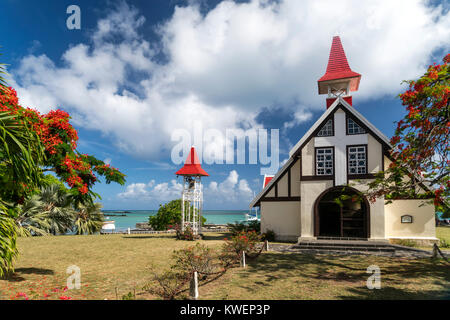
8, 235
31, 220
2, 72
57, 207
20, 154
88, 218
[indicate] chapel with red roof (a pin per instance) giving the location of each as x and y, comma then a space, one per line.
338, 156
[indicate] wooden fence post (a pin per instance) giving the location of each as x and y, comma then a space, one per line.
266, 245
435, 252
193, 289
243, 259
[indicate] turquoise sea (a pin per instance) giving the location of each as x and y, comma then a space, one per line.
134, 216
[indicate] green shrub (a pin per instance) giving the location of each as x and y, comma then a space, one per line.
444, 243
269, 235
129, 296
243, 241
245, 226
188, 233
168, 214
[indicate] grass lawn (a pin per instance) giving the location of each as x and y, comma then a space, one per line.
443, 233
111, 263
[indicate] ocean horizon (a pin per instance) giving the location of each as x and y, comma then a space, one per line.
131, 217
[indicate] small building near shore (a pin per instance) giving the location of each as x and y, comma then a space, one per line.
342, 149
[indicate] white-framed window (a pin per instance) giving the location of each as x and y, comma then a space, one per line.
324, 161
354, 128
357, 160
327, 129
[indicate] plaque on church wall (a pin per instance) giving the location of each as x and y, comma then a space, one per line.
407, 219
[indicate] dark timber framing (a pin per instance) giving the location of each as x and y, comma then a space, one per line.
297, 156
347, 112
274, 185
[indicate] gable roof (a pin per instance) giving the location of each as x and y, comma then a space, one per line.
295, 151
340, 102
275, 178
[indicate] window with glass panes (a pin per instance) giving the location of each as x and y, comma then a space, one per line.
324, 161
327, 129
354, 128
357, 160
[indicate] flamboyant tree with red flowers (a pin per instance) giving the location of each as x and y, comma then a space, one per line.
55, 151
420, 154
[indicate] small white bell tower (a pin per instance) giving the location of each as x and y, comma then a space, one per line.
192, 193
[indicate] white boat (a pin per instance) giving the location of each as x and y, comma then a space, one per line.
109, 225
252, 216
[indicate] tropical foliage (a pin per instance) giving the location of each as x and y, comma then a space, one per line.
88, 218
30, 218
20, 155
56, 205
168, 214
8, 235
2, 74
421, 148
59, 143
51, 212
244, 226
32, 203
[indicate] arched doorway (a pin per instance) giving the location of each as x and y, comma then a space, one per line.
348, 219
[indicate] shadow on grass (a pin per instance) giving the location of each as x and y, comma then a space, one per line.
217, 236
391, 293
350, 272
150, 237
206, 236
17, 275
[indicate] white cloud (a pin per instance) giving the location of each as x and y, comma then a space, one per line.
135, 190
151, 191
232, 190
222, 67
299, 117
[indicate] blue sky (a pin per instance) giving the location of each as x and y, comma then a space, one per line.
137, 71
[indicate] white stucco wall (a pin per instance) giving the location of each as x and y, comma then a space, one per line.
295, 179
374, 155
308, 159
422, 227
283, 186
309, 191
283, 217
377, 213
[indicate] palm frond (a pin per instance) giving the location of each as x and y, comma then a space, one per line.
8, 248
89, 218
2, 73
20, 149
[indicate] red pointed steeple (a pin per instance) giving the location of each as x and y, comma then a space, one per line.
192, 166
338, 69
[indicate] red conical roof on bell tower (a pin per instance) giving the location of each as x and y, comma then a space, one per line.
338, 68
192, 166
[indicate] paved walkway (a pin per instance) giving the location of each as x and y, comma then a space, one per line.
400, 251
